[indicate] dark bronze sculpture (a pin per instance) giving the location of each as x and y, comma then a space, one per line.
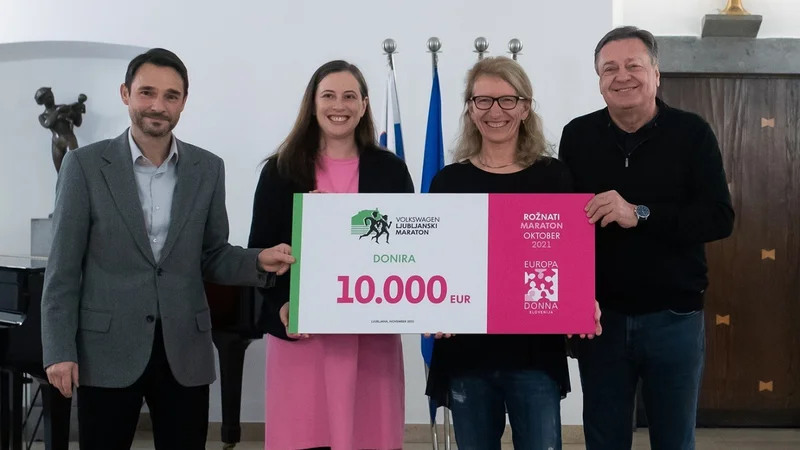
60, 120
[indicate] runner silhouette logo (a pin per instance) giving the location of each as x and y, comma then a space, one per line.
372, 224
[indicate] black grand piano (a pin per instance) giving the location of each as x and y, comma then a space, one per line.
234, 315
21, 281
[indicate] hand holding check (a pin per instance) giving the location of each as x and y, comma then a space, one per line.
597, 315
440, 335
284, 313
276, 259
611, 207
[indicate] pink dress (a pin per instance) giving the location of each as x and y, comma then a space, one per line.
346, 392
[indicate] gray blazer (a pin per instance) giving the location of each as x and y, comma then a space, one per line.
103, 287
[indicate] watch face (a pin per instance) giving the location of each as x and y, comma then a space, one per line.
642, 211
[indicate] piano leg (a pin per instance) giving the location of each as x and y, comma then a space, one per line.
231, 348
17, 410
5, 410
57, 411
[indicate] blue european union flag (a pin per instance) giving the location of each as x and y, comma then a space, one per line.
433, 161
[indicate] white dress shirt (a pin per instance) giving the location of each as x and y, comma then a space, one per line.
156, 186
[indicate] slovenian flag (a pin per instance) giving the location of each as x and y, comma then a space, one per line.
432, 162
391, 133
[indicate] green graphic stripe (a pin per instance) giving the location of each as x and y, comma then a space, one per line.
297, 237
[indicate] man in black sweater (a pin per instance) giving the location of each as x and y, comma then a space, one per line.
661, 195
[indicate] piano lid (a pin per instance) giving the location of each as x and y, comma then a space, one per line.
23, 262
10, 319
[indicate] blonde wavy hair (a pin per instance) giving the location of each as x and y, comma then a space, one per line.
532, 144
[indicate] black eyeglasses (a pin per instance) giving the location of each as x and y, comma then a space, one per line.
506, 102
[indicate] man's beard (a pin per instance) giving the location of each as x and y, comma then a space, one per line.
153, 130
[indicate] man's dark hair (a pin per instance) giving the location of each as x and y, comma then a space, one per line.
629, 32
159, 57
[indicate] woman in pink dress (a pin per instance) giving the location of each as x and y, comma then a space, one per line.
342, 392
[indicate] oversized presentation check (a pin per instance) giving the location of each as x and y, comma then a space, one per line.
453, 263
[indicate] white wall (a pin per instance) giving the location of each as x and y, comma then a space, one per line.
781, 18
248, 65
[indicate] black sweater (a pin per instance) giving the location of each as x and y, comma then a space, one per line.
455, 355
379, 171
674, 167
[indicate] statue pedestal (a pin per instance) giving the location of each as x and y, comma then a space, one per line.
41, 240
41, 236
724, 25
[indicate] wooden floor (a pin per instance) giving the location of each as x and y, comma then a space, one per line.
707, 439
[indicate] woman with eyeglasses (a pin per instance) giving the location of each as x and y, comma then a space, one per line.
501, 149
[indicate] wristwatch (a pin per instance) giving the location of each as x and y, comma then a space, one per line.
642, 212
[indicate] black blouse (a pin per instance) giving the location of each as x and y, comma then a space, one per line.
459, 353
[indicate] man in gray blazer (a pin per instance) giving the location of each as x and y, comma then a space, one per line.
139, 222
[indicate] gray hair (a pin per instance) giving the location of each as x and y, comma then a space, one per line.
629, 32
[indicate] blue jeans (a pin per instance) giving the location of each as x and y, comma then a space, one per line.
666, 350
479, 400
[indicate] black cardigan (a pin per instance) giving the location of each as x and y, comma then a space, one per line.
379, 171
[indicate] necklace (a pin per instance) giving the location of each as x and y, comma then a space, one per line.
480, 160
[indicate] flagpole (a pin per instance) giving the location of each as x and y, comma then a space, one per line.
389, 47
434, 45
481, 45
515, 48
391, 124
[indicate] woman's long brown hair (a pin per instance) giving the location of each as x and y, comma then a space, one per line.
298, 154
